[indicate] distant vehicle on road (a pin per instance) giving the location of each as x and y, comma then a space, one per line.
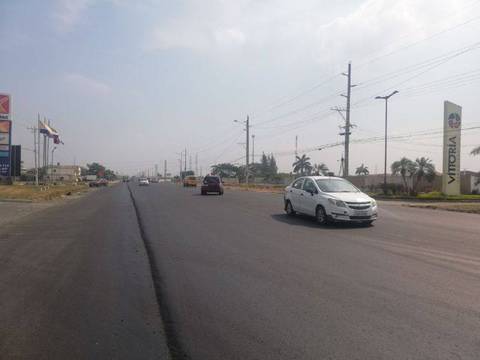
143, 182
329, 199
212, 184
98, 183
190, 181
154, 180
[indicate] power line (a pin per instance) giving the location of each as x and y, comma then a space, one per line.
419, 41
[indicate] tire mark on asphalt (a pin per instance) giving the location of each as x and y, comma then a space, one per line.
173, 342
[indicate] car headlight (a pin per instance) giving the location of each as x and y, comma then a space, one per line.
338, 203
373, 202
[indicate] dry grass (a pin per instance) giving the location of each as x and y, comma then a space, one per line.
39, 193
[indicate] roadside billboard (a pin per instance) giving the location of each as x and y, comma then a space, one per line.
452, 127
5, 107
5, 142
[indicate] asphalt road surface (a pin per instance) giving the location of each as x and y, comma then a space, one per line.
232, 277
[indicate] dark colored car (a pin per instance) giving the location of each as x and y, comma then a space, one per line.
212, 184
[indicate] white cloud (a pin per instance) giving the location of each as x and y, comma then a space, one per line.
86, 85
69, 12
309, 28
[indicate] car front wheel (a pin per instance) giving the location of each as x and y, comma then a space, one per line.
289, 209
321, 216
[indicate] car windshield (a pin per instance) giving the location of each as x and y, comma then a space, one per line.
335, 185
212, 179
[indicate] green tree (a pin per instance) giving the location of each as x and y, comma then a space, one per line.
184, 174
302, 165
424, 169
264, 165
405, 167
225, 170
95, 169
362, 170
100, 171
272, 164
320, 169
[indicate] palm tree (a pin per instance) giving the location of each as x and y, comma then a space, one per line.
362, 170
403, 167
320, 169
302, 165
424, 168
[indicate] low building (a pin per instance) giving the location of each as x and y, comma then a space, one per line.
66, 173
470, 182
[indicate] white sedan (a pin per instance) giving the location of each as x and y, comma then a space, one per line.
143, 182
329, 199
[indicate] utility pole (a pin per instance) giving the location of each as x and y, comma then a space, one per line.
190, 163
347, 118
296, 147
253, 148
185, 164
248, 146
386, 117
196, 164
156, 170
164, 169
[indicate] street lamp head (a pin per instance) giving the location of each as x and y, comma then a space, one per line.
379, 97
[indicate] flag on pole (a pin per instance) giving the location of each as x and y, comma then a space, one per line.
50, 132
46, 130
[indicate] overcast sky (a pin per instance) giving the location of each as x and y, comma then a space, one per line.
132, 83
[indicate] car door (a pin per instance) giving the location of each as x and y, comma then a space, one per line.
308, 199
294, 195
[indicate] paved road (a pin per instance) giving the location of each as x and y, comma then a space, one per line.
237, 279
75, 283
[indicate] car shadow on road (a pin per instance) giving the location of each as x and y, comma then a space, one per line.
309, 221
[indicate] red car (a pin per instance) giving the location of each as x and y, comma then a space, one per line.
212, 184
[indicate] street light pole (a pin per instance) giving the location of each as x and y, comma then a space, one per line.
386, 125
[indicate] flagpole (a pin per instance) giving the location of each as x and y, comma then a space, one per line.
48, 149
38, 144
35, 153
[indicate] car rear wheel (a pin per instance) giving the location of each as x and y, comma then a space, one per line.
289, 209
321, 216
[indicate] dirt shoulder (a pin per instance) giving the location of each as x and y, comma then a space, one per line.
18, 201
32, 193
